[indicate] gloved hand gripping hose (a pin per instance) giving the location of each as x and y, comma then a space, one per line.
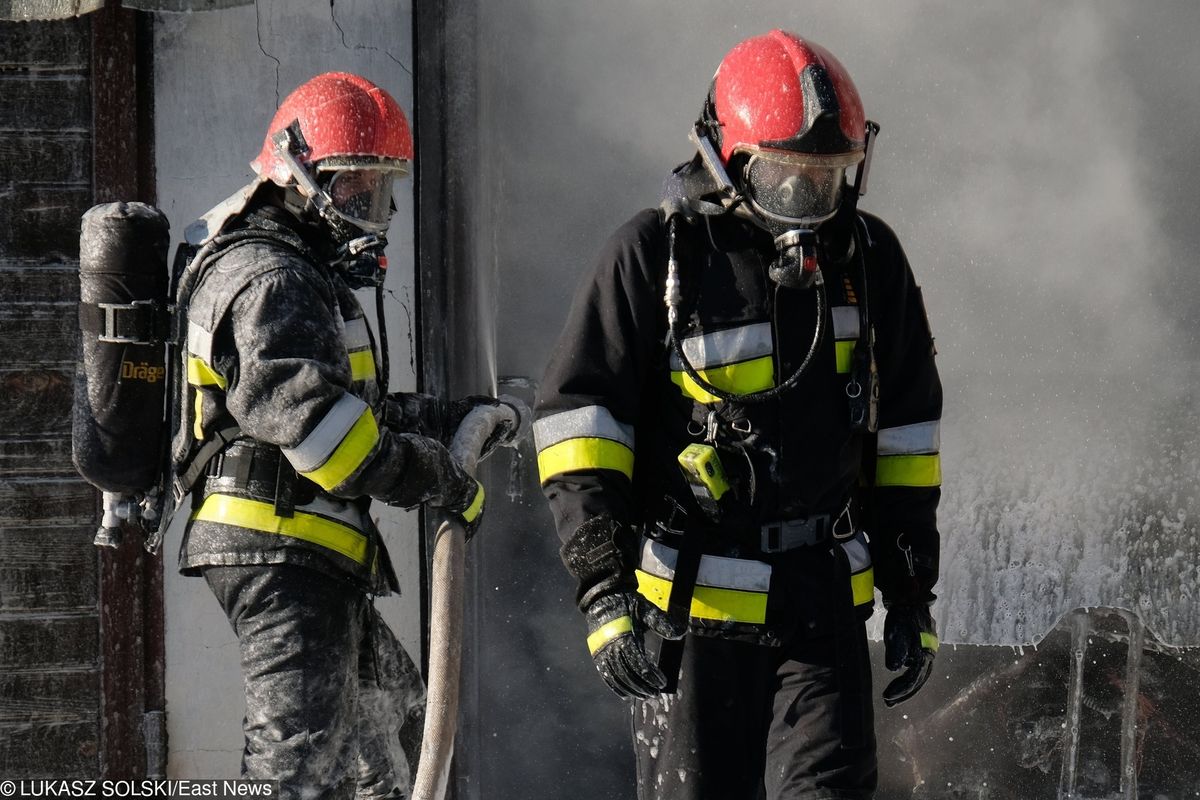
446, 601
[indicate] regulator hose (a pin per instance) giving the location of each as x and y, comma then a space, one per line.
446, 602
674, 295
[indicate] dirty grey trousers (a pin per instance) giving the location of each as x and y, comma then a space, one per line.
334, 705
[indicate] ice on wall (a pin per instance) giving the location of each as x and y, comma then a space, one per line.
1089, 501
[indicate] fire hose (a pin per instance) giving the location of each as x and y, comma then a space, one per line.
446, 578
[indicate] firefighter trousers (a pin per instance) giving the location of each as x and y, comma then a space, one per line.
751, 722
334, 705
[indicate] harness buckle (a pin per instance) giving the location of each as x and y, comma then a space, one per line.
780, 537
137, 322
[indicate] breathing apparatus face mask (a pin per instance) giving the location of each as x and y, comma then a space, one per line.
791, 195
358, 212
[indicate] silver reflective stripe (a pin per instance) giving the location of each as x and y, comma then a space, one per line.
845, 322
593, 422
858, 553
356, 336
715, 571
726, 347
199, 342
316, 449
922, 437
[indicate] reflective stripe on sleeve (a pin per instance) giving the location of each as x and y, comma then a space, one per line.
476, 506
918, 471
583, 438
593, 422
607, 632
908, 455
918, 438
260, 516
339, 443
929, 641
580, 454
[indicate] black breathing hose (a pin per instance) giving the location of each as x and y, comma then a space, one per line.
384, 373
674, 295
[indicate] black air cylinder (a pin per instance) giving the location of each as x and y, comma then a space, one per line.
118, 421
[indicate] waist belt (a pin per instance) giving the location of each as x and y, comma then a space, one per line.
779, 537
262, 471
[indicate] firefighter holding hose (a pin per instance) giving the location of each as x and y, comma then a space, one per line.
288, 433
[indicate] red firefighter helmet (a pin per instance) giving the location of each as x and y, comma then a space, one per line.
787, 122
342, 141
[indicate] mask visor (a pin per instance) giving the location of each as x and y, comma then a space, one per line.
363, 197
794, 187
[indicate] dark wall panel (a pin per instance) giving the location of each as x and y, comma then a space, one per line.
44, 568
33, 101
41, 223
46, 158
46, 46
50, 698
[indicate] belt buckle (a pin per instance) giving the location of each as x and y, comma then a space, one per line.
771, 537
779, 537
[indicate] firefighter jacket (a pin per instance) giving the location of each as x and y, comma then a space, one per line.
616, 408
280, 360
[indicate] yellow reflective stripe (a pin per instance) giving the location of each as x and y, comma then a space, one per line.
261, 516
929, 641
862, 584
354, 448
201, 374
362, 365
607, 632
845, 355
476, 506
584, 453
726, 605
923, 470
743, 378
198, 425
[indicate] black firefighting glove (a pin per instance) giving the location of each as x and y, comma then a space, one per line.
452, 488
910, 642
598, 555
424, 414
457, 410
471, 515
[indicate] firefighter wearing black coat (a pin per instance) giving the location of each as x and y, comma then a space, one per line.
738, 434
288, 434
